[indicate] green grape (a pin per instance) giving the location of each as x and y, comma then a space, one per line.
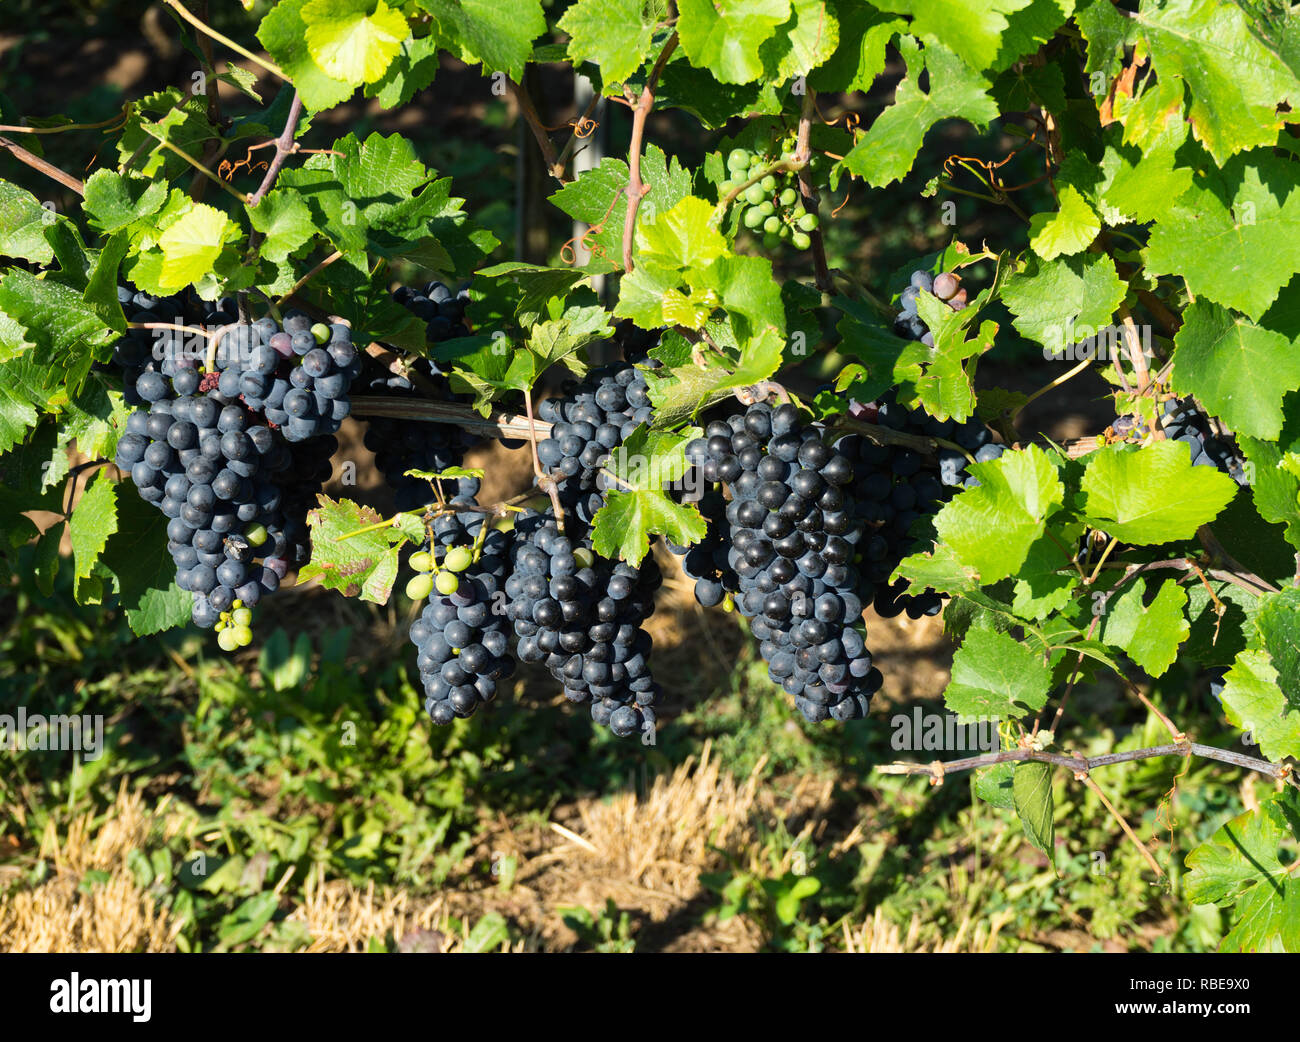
797, 211
422, 561
785, 232
447, 583
418, 587
458, 559
321, 332
765, 208
583, 557
754, 195
738, 159
243, 636
809, 222
768, 184
800, 241
753, 217
789, 196
242, 617
772, 225
255, 534
771, 242
227, 640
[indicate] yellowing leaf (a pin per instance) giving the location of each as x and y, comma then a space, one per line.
350, 44
191, 245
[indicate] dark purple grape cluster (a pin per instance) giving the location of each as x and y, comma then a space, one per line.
402, 445
581, 614
589, 421
794, 536
707, 561
1183, 421
462, 638
234, 488
297, 376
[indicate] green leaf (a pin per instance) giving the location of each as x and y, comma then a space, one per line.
243, 80
158, 610
995, 785
1253, 701
994, 676
1274, 488
170, 115
973, 31
1241, 865
1153, 494
191, 245
497, 33
681, 237
23, 221
1279, 632
1069, 229
803, 42
614, 34
540, 286
859, 55
993, 525
353, 40
284, 35
1142, 183
1238, 370
724, 36
1234, 83
286, 221
1046, 582
362, 566
62, 326
92, 522
411, 71
886, 152
1149, 633
115, 201
1031, 791
1059, 303
1235, 235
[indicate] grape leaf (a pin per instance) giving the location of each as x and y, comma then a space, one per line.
92, 522
61, 325
973, 31
724, 36
1254, 702
23, 221
190, 245
410, 72
284, 35
614, 34
859, 55
498, 33
1235, 235
115, 201
1031, 789
1239, 370
993, 525
1046, 582
1241, 865
362, 566
1069, 229
1149, 633
995, 676
353, 40
1153, 494
286, 221
885, 153
636, 507
1234, 83
540, 286
801, 43
1061, 302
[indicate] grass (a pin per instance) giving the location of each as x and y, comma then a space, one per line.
296, 799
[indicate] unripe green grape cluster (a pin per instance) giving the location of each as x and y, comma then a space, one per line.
772, 207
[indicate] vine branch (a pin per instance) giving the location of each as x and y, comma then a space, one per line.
636, 189
37, 163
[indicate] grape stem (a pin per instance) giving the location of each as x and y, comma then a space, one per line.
270, 67
1087, 764
37, 163
781, 166
803, 150
636, 188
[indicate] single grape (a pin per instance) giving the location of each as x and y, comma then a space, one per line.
447, 583
421, 561
809, 222
419, 586
227, 640
321, 332
458, 559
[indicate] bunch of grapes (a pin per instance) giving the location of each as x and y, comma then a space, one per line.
794, 538
773, 206
707, 561
1183, 421
581, 614
461, 638
403, 445
589, 421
